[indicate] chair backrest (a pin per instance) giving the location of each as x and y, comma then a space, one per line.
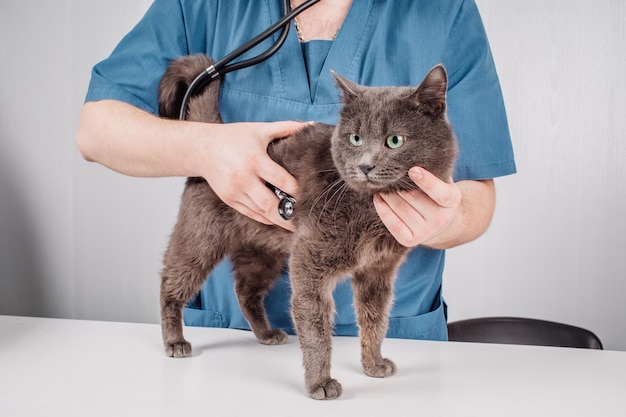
522, 331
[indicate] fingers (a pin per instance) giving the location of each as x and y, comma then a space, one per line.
273, 172
442, 193
277, 130
416, 217
401, 219
261, 204
248, 193
242, 168
279, 177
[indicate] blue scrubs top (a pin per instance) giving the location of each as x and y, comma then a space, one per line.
381, 42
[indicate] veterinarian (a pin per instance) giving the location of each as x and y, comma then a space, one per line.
371, 42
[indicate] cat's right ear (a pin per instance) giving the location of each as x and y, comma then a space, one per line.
350, 89
431, 93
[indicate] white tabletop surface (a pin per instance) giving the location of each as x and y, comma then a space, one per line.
68, 368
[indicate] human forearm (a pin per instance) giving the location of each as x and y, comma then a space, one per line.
134, 142
231, 157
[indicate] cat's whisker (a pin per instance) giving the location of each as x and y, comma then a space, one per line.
339, 191
344, 190
326, 192
341, 184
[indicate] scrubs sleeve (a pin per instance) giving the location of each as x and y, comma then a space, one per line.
475, 104
134, 69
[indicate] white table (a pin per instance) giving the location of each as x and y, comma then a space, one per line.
68, 368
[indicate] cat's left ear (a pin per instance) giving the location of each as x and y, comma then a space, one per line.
431, 93
350, 89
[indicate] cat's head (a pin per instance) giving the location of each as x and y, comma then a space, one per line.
384, 131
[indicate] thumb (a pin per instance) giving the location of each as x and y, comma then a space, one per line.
278, 130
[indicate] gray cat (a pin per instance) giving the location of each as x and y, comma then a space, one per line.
382, 132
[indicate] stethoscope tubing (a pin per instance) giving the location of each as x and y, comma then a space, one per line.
222, 66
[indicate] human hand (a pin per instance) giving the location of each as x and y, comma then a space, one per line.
421, 217
237, 166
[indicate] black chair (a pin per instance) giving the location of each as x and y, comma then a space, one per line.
522, 331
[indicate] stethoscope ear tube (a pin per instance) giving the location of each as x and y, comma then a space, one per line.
222, 66
286, 203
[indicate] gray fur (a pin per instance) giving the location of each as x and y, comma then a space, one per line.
338, 231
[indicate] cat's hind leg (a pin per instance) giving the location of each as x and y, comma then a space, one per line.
185, 270
256, 270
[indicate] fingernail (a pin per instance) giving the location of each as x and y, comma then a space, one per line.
416, 173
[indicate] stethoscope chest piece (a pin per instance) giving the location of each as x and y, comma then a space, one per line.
286, 207
286, 203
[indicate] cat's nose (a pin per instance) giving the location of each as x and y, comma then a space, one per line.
366, 168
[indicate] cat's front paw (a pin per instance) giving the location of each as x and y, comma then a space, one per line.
180, 349
327, 390
273, 337
380, 369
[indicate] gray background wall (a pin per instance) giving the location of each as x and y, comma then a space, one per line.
79, 241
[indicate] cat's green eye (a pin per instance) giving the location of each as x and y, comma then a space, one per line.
395, 141
355, 140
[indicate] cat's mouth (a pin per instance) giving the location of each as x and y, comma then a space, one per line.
371, 184
374, 184
374, 180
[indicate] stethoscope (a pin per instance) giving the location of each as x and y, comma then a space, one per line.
286, 204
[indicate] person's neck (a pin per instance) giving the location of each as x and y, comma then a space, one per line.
321, 21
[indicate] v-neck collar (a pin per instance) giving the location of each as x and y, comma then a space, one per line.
343, 57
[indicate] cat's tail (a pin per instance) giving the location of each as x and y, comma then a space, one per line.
174, 84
